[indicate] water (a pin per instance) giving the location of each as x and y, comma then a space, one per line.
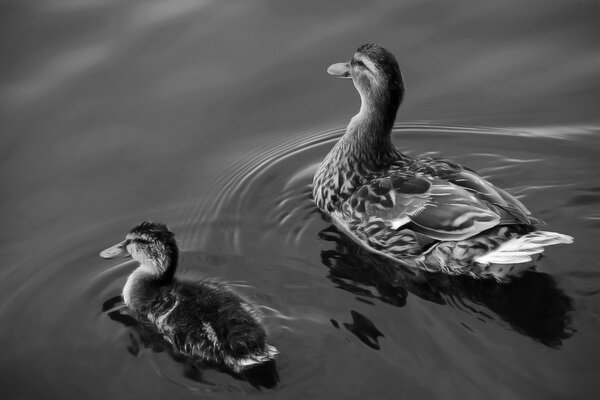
212, 117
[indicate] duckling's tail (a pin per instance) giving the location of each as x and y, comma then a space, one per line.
520, 250
268, 354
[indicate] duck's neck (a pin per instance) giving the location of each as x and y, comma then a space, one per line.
365, 148
372, 126
146, 279
368, 134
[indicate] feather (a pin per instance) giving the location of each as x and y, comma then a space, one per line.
521, 249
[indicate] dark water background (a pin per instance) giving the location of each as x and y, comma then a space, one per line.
211, 116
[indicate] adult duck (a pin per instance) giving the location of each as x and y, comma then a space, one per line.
430, 214
203, 320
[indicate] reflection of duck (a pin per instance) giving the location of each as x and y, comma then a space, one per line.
204, 320
531, 303
426, 213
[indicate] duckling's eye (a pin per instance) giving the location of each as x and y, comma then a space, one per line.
360, 64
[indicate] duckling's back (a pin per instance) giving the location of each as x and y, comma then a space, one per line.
209, 321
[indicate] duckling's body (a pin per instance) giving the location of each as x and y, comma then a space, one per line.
205, 320
426, 213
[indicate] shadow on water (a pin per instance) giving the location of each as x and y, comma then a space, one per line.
363, 328
146, 336
532, 304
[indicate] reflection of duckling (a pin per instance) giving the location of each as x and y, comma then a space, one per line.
205, 320
425, 213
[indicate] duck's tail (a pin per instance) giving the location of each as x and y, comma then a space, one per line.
519, 251
253, 359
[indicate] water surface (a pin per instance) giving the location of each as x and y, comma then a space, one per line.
212, 117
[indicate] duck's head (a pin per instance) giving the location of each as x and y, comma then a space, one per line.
376, 76
152, 245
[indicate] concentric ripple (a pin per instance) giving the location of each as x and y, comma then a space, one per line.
252, 222
269, 187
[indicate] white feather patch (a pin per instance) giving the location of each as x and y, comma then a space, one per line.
242, 363
399, 222
520, 249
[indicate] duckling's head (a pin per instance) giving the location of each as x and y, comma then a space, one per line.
376, 76
152, 245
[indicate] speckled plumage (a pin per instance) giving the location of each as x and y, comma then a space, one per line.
205, 320
426, 213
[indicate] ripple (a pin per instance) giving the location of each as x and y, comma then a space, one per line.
253, 222
273, 180
229, 189
261, 205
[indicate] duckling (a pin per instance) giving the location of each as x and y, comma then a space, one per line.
203, 320
425, 213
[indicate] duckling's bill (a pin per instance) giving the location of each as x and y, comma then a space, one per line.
340, 70
119, 249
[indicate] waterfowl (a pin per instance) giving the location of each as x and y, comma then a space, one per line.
425, 213
203, 320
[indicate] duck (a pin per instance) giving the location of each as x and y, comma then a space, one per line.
423, 213
203, 320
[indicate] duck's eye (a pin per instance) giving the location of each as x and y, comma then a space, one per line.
360, 64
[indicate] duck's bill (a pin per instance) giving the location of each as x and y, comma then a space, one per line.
119, 249
340, 70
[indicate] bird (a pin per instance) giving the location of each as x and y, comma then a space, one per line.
423, 213
204, 320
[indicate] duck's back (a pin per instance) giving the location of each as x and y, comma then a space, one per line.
407, 210
207, 320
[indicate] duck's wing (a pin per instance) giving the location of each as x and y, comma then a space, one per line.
510, 209
399, 212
